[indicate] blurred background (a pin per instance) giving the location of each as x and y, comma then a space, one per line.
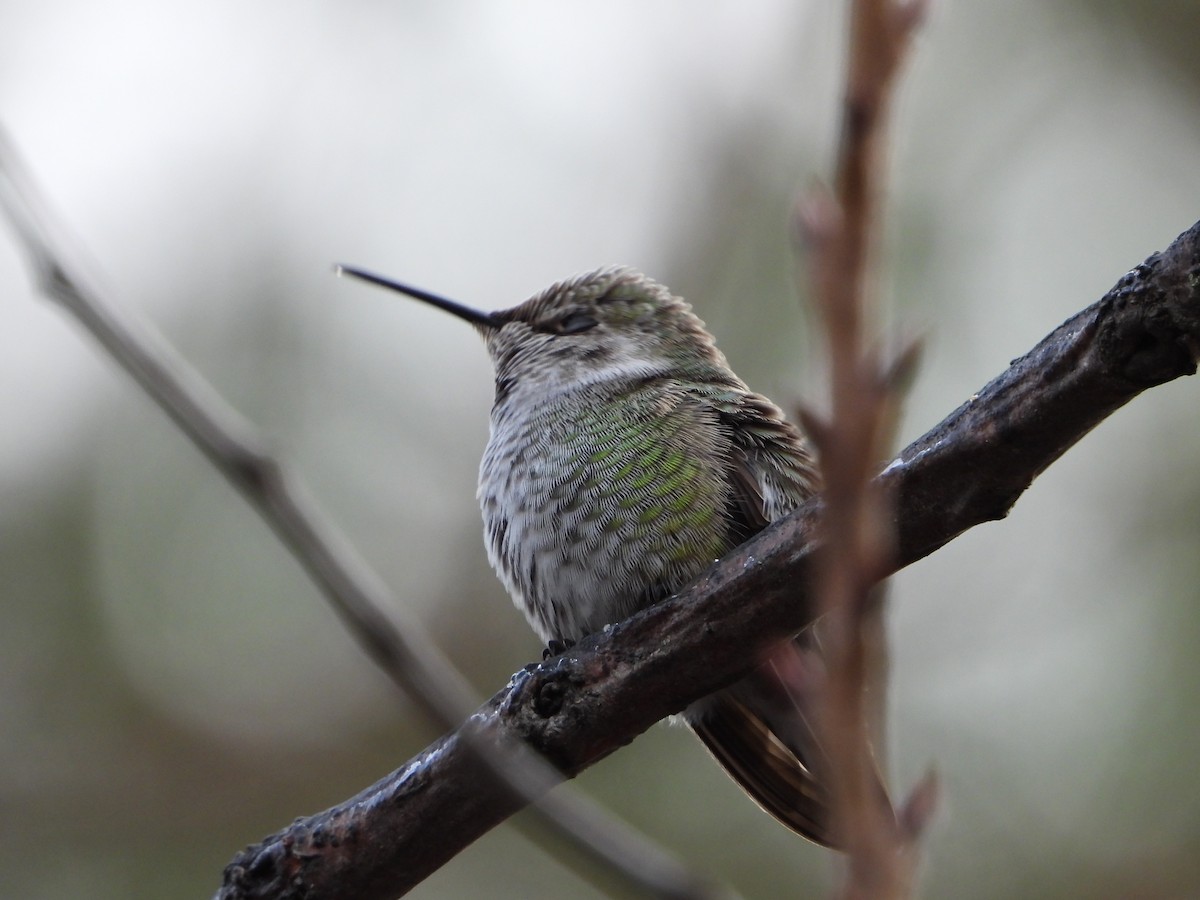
171, 688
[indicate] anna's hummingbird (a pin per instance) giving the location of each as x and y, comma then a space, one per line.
624, 457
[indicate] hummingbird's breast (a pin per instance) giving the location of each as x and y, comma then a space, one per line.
600, 501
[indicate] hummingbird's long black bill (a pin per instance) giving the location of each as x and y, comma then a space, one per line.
474, 316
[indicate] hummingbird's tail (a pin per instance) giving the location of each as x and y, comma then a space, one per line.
768, 771
759, 733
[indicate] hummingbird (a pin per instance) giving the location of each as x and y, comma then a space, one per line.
624, 456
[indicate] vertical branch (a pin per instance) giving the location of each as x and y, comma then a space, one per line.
841, 230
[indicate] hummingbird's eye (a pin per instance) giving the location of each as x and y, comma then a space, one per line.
574, 323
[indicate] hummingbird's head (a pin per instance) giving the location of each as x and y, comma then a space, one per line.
610, 325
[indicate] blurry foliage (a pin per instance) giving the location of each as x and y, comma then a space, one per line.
1166, 29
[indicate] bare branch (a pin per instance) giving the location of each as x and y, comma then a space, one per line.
578, 708
355, 591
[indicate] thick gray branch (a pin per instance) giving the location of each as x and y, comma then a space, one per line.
578, 708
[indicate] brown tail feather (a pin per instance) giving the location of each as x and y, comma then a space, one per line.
774, 777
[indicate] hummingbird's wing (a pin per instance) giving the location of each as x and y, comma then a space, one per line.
759, 729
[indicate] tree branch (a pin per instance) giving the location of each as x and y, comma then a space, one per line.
578, 708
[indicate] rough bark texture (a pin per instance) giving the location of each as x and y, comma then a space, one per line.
578, 708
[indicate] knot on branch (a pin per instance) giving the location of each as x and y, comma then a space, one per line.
549, 698
541, 705
1159, 350
265, 870
551, 686
1157, 320
253, 468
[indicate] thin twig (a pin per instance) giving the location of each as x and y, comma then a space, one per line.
355, 591
855, 530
